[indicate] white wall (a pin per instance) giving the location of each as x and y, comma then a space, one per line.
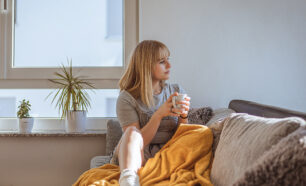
237, 49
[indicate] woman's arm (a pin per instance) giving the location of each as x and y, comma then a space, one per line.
149, 130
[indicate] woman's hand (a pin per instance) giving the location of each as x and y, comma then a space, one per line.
185, 106
167, 108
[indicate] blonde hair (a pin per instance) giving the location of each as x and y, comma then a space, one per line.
137, 78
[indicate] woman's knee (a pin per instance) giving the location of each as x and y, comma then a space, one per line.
131, 149
133, 134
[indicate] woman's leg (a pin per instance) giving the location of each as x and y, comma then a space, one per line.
130, 155
130, 149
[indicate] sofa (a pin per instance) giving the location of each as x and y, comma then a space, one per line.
254, 144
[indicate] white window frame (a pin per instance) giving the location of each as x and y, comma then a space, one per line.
28, 78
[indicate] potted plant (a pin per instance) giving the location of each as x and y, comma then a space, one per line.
72, 99
25, 121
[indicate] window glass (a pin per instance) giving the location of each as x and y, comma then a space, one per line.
46, 33
103, 102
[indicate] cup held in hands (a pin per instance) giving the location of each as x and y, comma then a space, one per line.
178, 98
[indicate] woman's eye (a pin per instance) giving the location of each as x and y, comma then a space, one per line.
162, 62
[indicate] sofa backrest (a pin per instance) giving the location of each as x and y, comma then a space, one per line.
257, 109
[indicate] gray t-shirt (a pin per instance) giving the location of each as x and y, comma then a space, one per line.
130, 111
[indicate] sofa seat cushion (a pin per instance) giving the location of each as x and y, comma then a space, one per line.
98, 161
244, 138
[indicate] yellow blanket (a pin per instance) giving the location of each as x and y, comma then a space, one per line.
184, 160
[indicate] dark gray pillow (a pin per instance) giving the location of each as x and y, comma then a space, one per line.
113, 135
284, 164
200, 115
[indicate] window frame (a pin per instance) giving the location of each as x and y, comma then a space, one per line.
28, 78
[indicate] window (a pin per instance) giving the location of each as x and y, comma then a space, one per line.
114, 15
37, 36
111, 106
7, 106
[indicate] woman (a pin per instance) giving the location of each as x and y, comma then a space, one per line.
145, 110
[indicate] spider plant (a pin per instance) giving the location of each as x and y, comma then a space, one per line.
71, 95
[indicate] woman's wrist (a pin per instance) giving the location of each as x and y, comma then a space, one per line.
184, 116
158, 115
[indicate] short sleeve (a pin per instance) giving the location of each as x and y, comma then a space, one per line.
181, 90
126, 109
177, 88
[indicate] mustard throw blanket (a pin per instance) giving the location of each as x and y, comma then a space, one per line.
184, 160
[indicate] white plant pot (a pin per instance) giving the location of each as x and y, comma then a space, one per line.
75, 121
26, 125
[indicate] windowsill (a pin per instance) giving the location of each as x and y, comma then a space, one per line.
54, 126
52, 133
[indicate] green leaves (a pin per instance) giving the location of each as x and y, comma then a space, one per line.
71, 95
24, 109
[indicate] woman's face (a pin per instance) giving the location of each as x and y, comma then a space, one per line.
161, 69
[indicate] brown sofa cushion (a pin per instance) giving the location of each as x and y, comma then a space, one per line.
219, 114
216, 129
244, 138
284, 164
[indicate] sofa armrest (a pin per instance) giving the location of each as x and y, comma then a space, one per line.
113, 135
98, 161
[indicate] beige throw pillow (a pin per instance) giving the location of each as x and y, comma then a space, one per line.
284, 164
243, 140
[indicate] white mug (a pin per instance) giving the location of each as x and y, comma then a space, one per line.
179, 97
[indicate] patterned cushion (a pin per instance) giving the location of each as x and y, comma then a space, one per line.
200, 115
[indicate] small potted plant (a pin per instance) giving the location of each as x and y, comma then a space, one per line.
25, 121
72, 99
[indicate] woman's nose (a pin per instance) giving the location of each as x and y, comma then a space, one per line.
168, 64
